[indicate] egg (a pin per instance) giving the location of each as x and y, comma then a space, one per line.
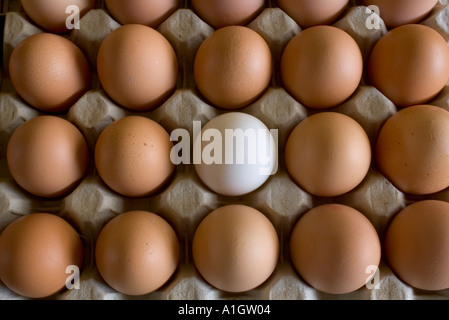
328, 154
47, 156
56, 15
233, 67
321, 67
416, 245
235, 248
410, 64
132, 156
400, 12
220, 13
235, 154
137, 67
137, 252
334, 248
49, 72
412, 150
35, 252
147, 12
309, 13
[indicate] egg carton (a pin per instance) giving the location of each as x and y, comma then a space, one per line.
185, 201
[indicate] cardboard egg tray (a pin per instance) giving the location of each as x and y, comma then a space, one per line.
186, 201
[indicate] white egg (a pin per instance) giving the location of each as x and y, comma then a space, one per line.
235, 154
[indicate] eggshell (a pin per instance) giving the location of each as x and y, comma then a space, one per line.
416, 245
47, 156
137, 67
333, 247
220, 13
52, 15
410, 64
399, 12
147, 12
235, 248
233, 67
49, 72
35, 251
328, 154
235, 173
412, 149
132, 156
137, 252
321, 67
309, 13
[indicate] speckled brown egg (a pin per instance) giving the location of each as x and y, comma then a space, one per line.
399, 12
235, 248
334, 248
308, 13
132, 156
55, 15
137, 252
321, 67
147, 12
410, 64
219, 13
416, 245
49, 72
137, 67
233, 67
47, 156
412, 149
35, 252
328, 154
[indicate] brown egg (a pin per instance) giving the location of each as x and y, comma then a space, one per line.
235, 248
333, 247
137, 67
308, 13
219, 13
412, 149
132, 156
49, 72
410, 64
416, 245
328, 154
137, 252
147, 12
35, 251
55, 15
233, 67
399, 12
321, 67
47, 156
